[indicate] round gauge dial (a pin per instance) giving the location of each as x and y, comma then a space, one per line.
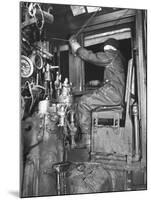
26, 67
38, 61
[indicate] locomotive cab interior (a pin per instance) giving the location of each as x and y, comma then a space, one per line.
53, 79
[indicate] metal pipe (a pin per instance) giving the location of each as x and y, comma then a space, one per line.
49, 18
59, 39
136, 130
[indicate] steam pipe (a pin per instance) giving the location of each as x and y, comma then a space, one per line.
136, 130
49, 18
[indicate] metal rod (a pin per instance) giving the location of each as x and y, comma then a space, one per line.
136, 129
60, 39
58, 183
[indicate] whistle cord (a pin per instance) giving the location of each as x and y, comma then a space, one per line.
86, 23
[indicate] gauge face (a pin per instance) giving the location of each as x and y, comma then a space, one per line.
26, 67
38, 61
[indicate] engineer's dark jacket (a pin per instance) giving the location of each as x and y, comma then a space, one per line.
112, 61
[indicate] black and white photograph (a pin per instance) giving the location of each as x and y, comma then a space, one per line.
83, 99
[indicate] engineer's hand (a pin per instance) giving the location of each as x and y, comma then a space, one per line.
74, 44
72, 39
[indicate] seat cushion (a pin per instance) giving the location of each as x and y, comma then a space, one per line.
108, 108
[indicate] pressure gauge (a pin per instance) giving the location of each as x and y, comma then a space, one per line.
27, 67
38, 61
